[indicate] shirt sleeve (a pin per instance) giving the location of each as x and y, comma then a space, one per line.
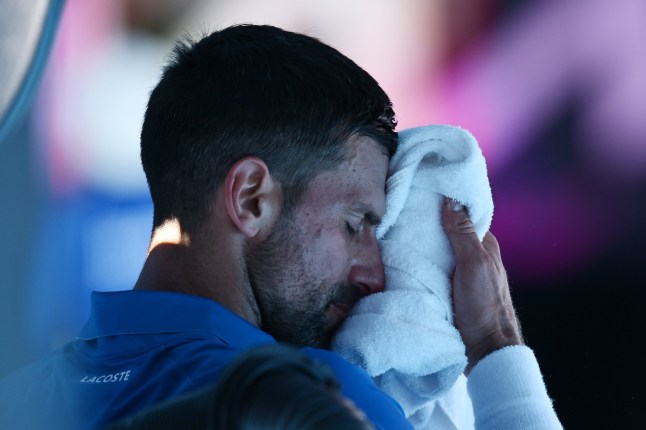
507, 391
381, 409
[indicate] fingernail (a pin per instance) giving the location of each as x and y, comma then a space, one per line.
457, 207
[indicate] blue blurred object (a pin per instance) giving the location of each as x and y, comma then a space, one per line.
27, 30
91, 241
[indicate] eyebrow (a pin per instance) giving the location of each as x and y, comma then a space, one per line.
368, 213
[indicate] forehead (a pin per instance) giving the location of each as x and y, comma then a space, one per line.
358, 183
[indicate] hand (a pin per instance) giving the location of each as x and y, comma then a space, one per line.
484, 313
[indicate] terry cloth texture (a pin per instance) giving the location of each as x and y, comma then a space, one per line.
508, 392
404, 336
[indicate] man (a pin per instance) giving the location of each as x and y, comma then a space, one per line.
266, 155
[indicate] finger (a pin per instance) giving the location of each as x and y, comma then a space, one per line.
460, 230
492, 247
490, 243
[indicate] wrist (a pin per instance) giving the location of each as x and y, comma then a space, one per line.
495, 340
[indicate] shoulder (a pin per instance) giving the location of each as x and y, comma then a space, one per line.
189, 363
358, 386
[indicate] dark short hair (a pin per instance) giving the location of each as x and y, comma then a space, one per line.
250, 90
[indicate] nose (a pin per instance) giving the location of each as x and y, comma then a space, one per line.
367, 268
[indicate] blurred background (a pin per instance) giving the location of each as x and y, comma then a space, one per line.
554, 91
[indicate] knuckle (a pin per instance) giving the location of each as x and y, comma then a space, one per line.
480, 258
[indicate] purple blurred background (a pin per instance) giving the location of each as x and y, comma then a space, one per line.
554, 91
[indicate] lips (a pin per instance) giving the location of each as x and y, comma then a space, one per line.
347, 295
341, 309
345, 307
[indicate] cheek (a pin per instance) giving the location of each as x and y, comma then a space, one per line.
330, 254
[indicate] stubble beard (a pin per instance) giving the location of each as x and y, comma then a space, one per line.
289, 301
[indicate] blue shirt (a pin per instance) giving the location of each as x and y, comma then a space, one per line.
141, 347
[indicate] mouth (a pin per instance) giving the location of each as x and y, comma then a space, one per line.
341, 311
342, 304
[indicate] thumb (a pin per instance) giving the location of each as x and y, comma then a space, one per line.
459, 229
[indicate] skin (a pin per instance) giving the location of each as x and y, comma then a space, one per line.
297, 275
319, 261
484, 313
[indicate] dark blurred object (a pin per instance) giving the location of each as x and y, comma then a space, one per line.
154, 16
27, 31
270, 387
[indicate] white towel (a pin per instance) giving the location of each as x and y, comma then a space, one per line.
404, 337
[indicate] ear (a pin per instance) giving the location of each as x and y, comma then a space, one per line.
253, 198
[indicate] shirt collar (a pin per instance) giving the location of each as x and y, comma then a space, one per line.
147, 312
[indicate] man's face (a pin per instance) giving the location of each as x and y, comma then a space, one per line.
324, 256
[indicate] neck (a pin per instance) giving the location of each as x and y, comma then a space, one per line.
177, 263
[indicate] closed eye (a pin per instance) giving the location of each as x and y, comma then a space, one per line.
367, 213
351, 229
